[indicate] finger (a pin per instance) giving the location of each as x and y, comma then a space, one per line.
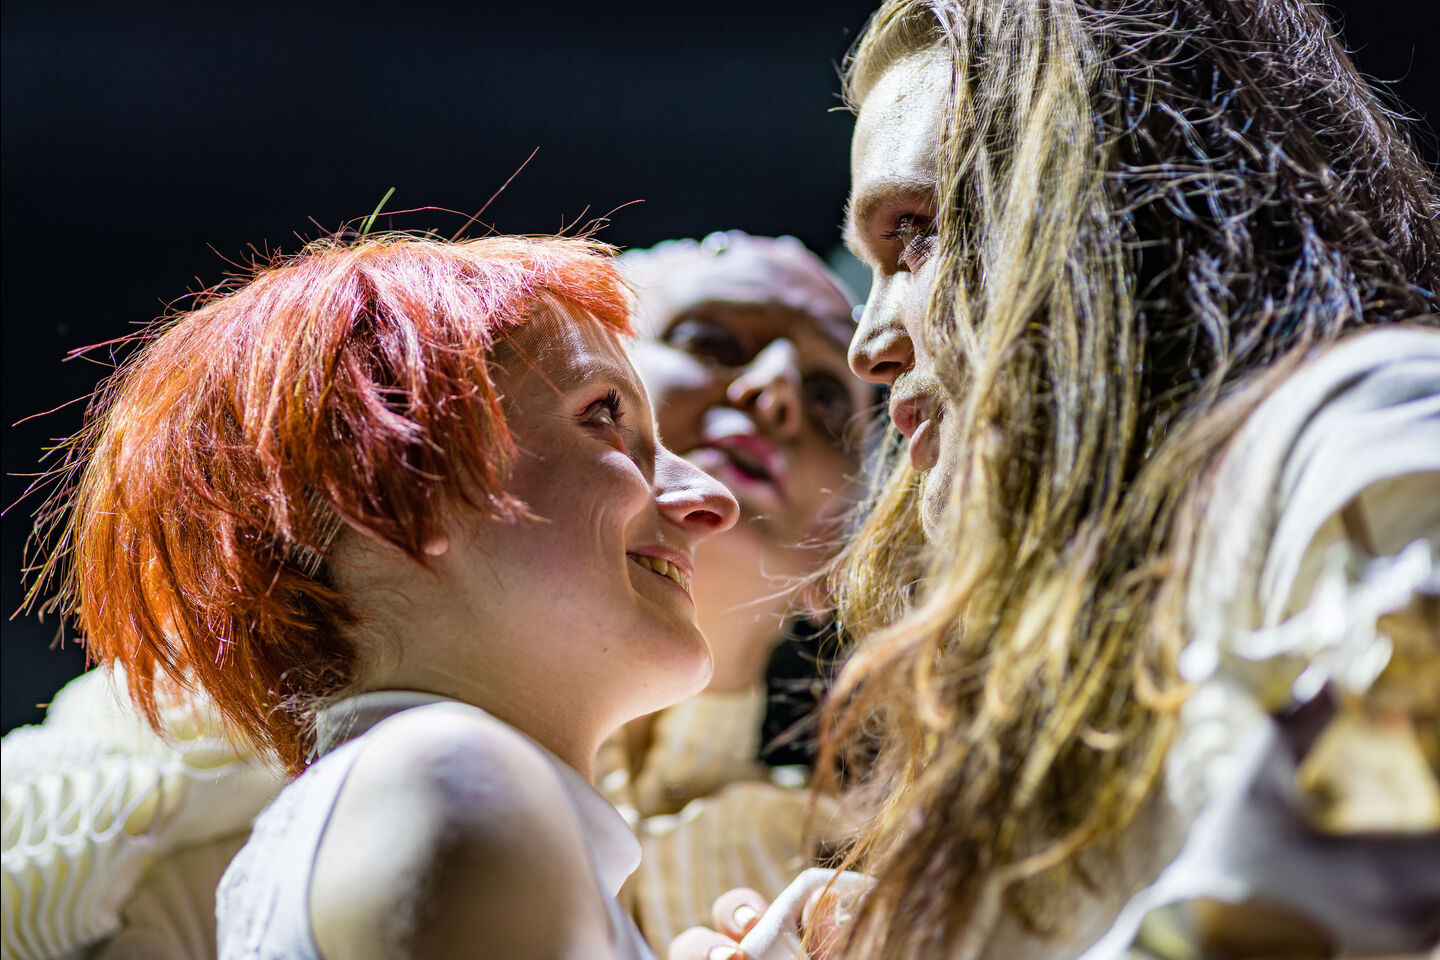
701, 943
736, 911
776, 936
829, 912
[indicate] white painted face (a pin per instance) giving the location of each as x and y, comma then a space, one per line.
745, 363
890, 225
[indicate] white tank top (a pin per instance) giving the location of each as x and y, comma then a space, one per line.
262, 904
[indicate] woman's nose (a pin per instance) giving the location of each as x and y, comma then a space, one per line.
692, 499
769, 387
881, 348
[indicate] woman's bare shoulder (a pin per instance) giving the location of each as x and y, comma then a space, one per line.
452, 829
452, 750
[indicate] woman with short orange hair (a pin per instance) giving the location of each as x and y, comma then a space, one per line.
397, 508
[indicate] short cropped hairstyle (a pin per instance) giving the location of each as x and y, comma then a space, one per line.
348, 386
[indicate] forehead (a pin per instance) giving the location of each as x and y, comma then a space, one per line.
746, 278
896, 146
563, 352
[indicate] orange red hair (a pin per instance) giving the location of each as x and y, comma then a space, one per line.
347, 385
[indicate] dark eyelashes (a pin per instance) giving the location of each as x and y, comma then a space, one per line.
909, 227
911, 231
916, 235
606, 418
610, 404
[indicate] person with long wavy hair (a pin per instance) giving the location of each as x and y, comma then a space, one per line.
1130, 259
1112, 230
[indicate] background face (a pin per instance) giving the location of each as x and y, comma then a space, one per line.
137, 137
750, 343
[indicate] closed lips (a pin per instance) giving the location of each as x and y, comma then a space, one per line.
916, 416
909, 412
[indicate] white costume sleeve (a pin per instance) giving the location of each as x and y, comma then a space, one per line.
93, 798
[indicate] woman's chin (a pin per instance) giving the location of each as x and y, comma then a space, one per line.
676, 669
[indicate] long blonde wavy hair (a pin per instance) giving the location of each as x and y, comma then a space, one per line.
1148, 211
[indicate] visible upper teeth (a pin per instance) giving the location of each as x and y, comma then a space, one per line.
663, 567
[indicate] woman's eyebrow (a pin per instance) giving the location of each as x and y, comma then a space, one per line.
616, 374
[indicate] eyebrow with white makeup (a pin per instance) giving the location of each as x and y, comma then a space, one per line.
860, 207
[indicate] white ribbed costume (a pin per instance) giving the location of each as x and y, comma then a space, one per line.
93, 800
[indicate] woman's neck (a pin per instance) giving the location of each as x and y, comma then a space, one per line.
559, 728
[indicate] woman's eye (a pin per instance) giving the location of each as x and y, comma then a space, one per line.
709, 341
828, 403
916, 236
605, 413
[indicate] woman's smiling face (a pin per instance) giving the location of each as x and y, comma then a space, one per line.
596, 581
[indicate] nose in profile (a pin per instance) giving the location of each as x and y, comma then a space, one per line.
881, 348
692, 499
769, 386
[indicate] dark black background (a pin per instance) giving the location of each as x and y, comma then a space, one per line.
145, 143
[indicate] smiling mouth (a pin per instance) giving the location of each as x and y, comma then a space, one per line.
663, 567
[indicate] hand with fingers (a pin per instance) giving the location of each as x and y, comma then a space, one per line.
819, 901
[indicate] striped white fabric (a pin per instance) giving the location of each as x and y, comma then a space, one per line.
709, 815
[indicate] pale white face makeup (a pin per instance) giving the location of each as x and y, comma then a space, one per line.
889, 225
746, 367
743, 352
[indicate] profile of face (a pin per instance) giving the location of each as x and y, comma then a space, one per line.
742, 346
595, 583
894, 176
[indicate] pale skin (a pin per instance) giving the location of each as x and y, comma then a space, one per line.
743, 353
447, 835
450, 830
892, 206
889, 226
